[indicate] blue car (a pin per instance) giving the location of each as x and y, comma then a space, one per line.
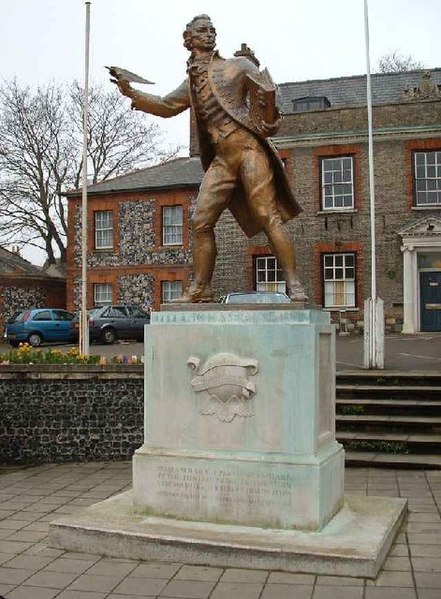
40, 324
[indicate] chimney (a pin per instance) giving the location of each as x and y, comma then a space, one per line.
248, 53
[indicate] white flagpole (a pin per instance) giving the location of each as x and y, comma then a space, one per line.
84, 330
373, 307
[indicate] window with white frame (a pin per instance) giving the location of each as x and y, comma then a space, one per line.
102, 294
171, 290
268, 274
428, 178
172, 219
339, 280
337, 183
104, 230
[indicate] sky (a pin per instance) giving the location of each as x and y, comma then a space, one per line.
43, 40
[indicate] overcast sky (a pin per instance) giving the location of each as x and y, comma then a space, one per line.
43, 40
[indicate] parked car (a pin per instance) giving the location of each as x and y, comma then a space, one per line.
39, 324
119, 321
13, 316
255, 297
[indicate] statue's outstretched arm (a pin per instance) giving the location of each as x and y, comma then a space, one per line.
165, 106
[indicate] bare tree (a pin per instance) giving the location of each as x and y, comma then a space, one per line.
119, 138
394, 62
41, 156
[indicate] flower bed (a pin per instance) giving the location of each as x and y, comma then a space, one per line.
26, 354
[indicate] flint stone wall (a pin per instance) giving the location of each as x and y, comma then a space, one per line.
20, 298
23, 292
70, 413
136, 239
137, 289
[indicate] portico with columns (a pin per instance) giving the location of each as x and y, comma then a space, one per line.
421, 249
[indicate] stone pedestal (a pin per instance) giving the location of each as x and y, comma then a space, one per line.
240, 412
240, 466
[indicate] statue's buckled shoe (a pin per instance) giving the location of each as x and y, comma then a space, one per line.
195, 295
296, 293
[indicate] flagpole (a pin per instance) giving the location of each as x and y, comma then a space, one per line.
373, 307
84, 330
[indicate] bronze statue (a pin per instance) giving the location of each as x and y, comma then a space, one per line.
235, 109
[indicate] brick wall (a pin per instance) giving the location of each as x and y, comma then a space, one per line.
305, 138
353, 119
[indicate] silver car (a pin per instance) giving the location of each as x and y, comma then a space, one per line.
255, 297
117, 321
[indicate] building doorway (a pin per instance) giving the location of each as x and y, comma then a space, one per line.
430, 295
421, 247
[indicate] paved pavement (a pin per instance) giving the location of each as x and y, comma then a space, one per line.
402, 352
30, 569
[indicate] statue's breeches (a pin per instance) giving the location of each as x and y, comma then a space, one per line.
241, 162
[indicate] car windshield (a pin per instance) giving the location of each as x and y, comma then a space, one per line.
257, 298
14, 317
22, 316
114, 312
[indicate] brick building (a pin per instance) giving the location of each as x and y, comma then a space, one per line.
323, 142
24, 285
139, 246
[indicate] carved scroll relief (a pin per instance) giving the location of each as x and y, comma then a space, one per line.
224, 382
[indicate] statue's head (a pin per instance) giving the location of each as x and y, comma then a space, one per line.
200, 34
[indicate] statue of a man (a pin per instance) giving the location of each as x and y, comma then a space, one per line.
242, 169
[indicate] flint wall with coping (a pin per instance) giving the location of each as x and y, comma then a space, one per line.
70, 413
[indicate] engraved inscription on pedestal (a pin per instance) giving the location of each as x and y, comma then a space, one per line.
225, 486
224, 384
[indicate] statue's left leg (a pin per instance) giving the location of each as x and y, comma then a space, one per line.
258, 182
283, 249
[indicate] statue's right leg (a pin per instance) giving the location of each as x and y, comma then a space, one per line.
214, 195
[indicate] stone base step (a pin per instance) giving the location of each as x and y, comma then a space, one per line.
405, 403
386, 460
354, 543
390, 443
388, 377
403, 392
391, 437
363, 419
391, 407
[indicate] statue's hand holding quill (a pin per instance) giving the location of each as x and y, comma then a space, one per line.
122, 78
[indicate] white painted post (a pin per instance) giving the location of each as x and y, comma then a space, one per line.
373, 307
84, 324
